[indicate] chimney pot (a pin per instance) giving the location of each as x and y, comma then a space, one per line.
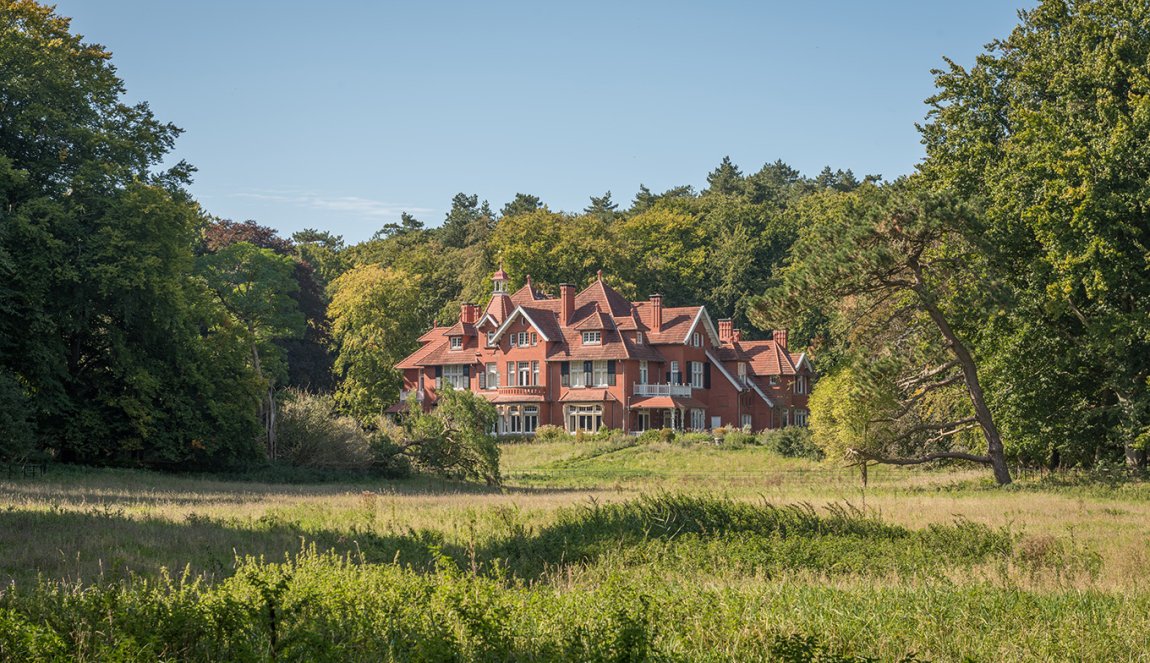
725, 327
780, 337
737, 335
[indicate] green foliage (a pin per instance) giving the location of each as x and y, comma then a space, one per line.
792, 442
1050, 129
313, 434
453, 440
551, 433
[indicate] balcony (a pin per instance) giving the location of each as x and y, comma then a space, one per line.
663, 390
404, 394
535, 390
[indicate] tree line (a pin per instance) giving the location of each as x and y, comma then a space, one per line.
990, 307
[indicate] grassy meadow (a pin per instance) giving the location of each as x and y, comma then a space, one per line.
590, 551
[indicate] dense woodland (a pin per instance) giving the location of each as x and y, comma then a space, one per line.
994, 306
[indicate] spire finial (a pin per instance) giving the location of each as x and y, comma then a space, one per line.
599, 274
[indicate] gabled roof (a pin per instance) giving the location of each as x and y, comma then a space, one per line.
524, 313
597, 320
723, 369
766, 358
528, 294
708, 326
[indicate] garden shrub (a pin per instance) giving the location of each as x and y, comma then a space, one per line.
792, 442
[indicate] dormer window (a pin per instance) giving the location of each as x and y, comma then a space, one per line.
490, 339
638, 338
743, 372
592, 337
456, 342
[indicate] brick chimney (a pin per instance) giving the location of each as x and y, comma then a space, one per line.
468, 313
736, 335
656, 313
780, 336
566, 303
725, 328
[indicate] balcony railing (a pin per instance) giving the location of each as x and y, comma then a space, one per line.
404, 394
662, 390
534, 390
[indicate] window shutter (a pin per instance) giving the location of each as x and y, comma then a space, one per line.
565, 374
611, 372
467, 371
588, 370
668, 377
707, 375
438, 372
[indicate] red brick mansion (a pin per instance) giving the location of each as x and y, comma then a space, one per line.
592, 359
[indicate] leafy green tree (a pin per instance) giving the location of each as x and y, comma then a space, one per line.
103, 330
454, 439
1051, 130
256, 287
899, 250
377, 314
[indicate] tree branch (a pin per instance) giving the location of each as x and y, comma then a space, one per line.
864, 456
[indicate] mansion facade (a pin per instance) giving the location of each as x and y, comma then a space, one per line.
592, 359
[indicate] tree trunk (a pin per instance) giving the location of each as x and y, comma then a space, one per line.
970, 375
267, 407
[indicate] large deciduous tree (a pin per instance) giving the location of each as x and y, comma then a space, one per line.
1051, 129
895, 258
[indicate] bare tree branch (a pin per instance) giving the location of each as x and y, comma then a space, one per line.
864, 456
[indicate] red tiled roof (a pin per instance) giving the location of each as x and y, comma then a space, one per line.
596, 320
528, 294
677, 322
606, 297
498, 398
460, 329
664, 402
766, 358
587, 396
499, 307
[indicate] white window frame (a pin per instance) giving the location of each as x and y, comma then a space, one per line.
696, 370
535, 373
800, 417
698, 419
453, 375
456, 343
592, 338
697, 340
801, 384
492, 371
644, 372
491, 339
674, 372
743, 373
523, 374
638, 338
599, 375
587, 418
746, 421
577, 378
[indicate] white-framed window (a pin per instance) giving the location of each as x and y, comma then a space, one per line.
599, 373
578, 378
584, 417
490, 339
534, 338
773, 380
643, 420
456, 342
521, 339
743, 373
638, 338
453, 374
696, 369
698, 419
800, 418
534, 373
592, 338
643, 374
674, 372
802, 386
746, 421
492, 372
524, 374
510, 374
524, 419
697, 340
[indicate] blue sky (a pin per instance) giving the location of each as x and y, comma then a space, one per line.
339, 115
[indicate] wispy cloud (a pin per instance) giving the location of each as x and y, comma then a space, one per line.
356, 205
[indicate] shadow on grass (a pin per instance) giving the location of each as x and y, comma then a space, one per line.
701, 533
